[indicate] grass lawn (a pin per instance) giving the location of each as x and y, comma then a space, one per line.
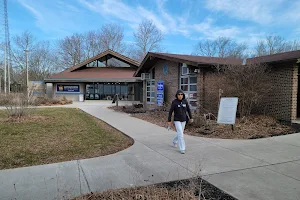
54, 135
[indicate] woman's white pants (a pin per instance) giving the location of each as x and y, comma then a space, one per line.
179, 137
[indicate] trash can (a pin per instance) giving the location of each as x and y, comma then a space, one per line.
81, 99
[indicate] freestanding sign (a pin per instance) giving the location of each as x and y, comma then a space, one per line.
160, 93
227, 110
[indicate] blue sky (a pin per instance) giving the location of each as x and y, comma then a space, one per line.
183, 22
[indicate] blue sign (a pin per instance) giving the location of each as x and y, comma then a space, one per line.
160, 96
160, 86
67, 88
160, 93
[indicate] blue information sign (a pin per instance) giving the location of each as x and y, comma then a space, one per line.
67, 88
160, 93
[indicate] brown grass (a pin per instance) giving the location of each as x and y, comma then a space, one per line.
176, 190
55, 135
141, 193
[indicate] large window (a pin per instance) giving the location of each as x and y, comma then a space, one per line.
150, 91
106, 91
188, 83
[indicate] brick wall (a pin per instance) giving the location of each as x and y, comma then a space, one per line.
171, 79
282, 100
208, 91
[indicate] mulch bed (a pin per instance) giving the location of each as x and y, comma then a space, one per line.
184, 189
252, 127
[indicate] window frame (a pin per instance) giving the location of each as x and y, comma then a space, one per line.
150, 89
182, 83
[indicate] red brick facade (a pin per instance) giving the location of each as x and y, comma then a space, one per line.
281, 102
171, 78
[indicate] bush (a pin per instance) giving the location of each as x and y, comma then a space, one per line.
250, 83
17, 104
44, 100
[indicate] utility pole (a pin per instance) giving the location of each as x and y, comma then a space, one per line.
8, 76
27, 80
5, 69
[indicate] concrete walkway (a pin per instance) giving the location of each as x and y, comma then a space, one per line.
247, 169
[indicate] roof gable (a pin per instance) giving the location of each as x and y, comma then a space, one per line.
101, 56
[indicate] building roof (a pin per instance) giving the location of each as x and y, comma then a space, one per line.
286, 56
81, 72
152, 57
125, 59
95, 73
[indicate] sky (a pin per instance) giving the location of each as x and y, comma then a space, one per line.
183, 22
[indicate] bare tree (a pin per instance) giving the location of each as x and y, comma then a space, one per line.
71, 50
42, 59
221, 47
148, 38
92, 43
275, 44
111, 37
25, 40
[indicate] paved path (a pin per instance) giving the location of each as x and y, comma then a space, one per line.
246, 169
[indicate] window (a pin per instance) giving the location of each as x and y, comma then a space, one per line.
188, 83
150, 91
184, 69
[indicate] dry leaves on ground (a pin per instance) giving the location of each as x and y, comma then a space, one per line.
252, 127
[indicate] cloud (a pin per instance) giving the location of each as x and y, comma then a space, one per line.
113, 8
292, 14
38, 16
211, 31
262, 12
54, 18
168, 24
268, 13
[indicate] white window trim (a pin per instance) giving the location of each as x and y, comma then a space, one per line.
188, 92
148, 90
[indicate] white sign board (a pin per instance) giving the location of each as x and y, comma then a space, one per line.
227, 110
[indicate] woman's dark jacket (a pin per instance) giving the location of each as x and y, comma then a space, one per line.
180, 108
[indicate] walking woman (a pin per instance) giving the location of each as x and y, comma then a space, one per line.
182, 114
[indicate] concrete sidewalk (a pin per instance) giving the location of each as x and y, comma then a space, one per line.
247, 169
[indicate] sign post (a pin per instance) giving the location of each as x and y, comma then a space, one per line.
227, 110
160, 93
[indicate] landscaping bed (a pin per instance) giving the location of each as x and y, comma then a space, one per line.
46, 101
183, 189
252, 127
50, 135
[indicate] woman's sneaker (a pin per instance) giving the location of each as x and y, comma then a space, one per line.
182, 152
174, 145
